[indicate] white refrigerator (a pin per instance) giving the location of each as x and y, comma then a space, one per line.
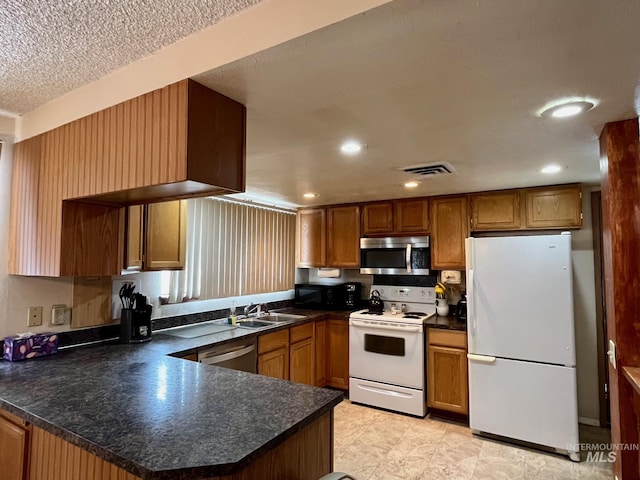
521, 345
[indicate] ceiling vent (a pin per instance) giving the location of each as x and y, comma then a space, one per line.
431, 169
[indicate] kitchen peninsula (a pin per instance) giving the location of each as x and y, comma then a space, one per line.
134, 411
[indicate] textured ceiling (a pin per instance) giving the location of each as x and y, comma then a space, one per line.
49, 47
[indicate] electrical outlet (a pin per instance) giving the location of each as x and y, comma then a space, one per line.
35, 316
60, 315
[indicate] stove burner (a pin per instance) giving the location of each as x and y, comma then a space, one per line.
418, 314
372, 313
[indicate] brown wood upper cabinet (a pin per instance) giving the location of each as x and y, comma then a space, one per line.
553, 207
343, 236
328, 237
406, 216
311, 240
495, 211
156, 236
449, 229
527, 209
180, 140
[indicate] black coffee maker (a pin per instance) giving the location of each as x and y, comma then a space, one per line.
461, 311
352, 297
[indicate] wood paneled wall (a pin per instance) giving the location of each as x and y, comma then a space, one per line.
55, 458
23, 224
133, 152
620, 170
307, 455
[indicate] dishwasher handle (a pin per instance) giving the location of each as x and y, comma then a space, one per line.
211, 358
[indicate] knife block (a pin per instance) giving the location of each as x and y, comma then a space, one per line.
135, 325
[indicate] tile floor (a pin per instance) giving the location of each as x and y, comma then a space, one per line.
372, 444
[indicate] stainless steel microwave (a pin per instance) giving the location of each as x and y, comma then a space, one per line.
395, 256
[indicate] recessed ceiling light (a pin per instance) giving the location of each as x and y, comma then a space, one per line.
551, 169
311, 195
351, 147
567, 107
411, 184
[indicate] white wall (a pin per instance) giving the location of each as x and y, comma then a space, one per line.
584, 301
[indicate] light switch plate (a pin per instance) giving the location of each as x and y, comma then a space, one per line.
34, 316
612, 353
60, 315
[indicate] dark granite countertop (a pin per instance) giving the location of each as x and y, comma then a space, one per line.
161, 417
447, 323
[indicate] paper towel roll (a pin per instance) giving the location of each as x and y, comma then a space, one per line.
329, 272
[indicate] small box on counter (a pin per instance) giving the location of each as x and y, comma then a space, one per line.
21, 347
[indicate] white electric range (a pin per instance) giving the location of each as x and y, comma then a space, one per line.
387, 350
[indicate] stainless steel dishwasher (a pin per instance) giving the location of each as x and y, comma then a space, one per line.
238, 355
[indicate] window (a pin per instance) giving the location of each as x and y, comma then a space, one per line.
234, 249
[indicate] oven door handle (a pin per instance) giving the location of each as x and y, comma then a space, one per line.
408, 258
416, 329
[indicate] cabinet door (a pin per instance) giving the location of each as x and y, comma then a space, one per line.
449, 228
301, 362
311, 231
273, 341
495, 211
447, 387
412, 216
338, 354
559, 207
133, 243
321, 353
165, 235
377, 218
343, 237
275, 363
13, 450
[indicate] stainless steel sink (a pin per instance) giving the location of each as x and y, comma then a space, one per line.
255, 323
268, 320
282, 317
198, 330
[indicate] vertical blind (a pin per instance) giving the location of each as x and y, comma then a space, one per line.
234, 249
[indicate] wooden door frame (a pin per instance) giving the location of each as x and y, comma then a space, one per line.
601, 333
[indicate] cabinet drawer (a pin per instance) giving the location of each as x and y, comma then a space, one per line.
273, 341
447, 338
301, 332
12, 418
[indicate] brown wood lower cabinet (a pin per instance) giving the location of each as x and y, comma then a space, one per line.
302, 354
447, 384
273, 354
315, 353
14, 447
321, 353
338, 354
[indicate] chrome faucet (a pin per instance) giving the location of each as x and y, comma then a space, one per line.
260, 310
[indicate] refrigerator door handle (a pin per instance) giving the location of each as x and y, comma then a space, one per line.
471, 301
481, 358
